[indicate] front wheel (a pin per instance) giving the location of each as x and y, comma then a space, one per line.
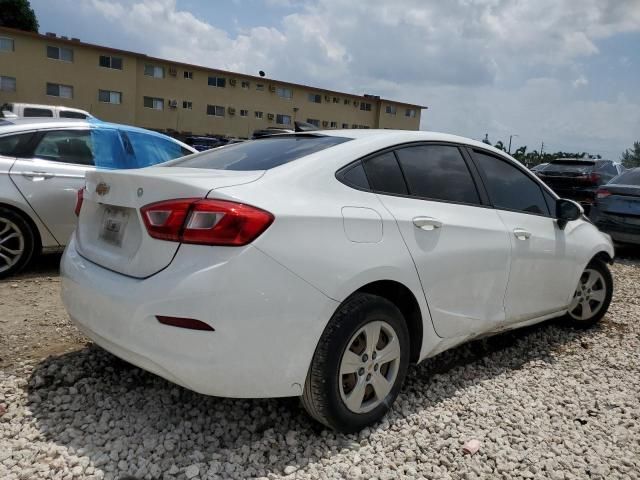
359, 365
592, 296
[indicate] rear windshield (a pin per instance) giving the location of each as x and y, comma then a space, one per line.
261, 154
569, 166
630, 177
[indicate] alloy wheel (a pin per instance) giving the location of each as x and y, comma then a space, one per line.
369, 366
12, 244
589, 296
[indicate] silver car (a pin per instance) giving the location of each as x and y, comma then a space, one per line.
42, 167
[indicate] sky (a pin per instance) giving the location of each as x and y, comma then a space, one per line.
562, 72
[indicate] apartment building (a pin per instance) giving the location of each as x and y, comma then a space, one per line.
133, 88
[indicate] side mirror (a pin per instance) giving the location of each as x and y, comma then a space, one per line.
567, 211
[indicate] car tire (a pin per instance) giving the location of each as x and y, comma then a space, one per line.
592, 296
348, 366
17, 242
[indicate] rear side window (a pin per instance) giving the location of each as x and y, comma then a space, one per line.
355, 177
438, 172
261, 154
14, 145
385, 175
67, 146
70, 114
630, 177
569, 166
37, 112
145, 150
509, 188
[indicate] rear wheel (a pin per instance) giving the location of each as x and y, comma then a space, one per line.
359, 365
592, 296
17, 242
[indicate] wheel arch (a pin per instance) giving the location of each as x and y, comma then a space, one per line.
27, 218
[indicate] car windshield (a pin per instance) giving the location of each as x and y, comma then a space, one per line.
630, 177
577, 166
260, 154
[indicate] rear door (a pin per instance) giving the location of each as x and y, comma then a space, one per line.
459, 246
542, 260
51, 178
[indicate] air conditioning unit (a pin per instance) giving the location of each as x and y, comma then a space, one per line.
270, 116
232, 82
231, 110
272, 88
325, 123
327, 98
173, 71
173, 104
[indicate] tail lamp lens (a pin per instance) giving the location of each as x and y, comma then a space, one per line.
603, 193
79, 200
205, 221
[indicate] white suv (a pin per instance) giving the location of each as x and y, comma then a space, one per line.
33, 110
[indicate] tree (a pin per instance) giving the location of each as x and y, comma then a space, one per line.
18, 14
500, 146
631, 156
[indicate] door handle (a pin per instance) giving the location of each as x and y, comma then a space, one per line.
521, 234
427, 223
38, 175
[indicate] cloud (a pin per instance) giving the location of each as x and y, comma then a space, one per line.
581, 81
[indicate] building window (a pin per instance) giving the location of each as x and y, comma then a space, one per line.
365, 106
411, 113
6, 44
7, 84
215, 111
245, 85
284, 92
60, 53
219, 82
313, 121
390, 109
56, 90
108, 96
244, 113
345, 125
187, 105
334, 124
259, 114
315, 98
188, 75
283, 119
153, 71
155, 103
347, 101
107, 61
336, 100
260, 87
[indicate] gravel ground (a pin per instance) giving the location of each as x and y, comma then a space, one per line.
546, 402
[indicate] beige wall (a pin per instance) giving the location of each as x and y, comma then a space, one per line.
32, 69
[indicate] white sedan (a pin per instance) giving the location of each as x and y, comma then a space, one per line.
322, 264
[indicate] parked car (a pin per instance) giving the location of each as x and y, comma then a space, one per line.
323, 264
205, 143
297, 127
24, 110
579, 179
617, 207
540, 166
42, 165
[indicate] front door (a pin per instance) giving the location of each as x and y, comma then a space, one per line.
459, 246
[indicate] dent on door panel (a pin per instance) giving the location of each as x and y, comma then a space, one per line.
362, 225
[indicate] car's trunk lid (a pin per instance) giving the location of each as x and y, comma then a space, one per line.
623, 199
111, 232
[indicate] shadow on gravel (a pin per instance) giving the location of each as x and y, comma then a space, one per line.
131, 422
48, 264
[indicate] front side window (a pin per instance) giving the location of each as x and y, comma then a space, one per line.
108, 61
57, 90
37, 112
437, 172
153, 71
6, 44
7, 84
283, 119
60, 53
219, 82
385, 175
510, 188
109, 96
215, 110
155, 103
70, 146
261, 154
72, 114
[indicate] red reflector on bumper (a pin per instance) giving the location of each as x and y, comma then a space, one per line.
189, 323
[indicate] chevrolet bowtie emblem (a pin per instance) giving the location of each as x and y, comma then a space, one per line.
102, 188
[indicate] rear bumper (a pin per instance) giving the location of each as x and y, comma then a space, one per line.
623, 229
267, 321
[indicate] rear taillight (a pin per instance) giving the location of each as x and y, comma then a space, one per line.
594, 178
205, 221
79, 199
602, 193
